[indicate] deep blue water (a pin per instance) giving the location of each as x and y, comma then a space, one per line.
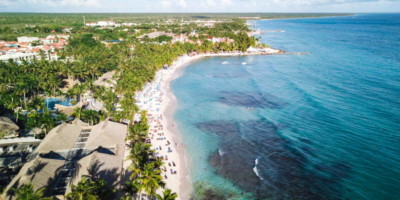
318, 126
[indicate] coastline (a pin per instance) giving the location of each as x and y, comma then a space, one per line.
311, 17
181, 182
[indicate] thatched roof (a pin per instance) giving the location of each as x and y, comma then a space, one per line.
102, 156
7, 127
69, 83
106, 80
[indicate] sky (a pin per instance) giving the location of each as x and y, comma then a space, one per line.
132, 6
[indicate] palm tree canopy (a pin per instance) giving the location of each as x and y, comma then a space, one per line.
167, 195
89, 190
27, 192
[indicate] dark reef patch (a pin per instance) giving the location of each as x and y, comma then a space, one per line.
283, 171
251, 99
202, 191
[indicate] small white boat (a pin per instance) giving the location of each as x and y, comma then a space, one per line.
244, 63
225, 62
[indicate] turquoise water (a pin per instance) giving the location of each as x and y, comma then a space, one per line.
318, 126
51, 102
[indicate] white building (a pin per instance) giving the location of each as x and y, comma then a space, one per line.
101, 23
18, 56
180, 38
129, 24
91, 24
106, 23
27, 39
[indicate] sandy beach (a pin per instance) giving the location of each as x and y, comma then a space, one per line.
160, 103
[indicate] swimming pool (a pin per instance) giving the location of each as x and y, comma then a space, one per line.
51, 102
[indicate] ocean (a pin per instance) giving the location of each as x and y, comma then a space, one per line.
325, 125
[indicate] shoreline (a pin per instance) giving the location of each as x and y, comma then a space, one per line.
160, 103
312, 17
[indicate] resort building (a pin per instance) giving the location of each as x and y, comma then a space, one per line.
91, 24
29, 48
14, 153
180, 38
101, 23
106, 23
14, 150
27, 39
129, 24
225, 40
71, 151
156, 34
204, 23
18, 56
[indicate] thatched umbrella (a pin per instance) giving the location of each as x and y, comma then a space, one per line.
7, 127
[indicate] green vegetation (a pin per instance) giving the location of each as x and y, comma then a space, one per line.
41, 24
146, 168
76, 19
167, 195
26, 192
90, 189
91, 117
24, 85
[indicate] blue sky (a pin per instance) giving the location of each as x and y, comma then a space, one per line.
199, 5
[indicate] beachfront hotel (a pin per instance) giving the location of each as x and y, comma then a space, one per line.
72, 151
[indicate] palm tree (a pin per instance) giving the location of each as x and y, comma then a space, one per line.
137, 132
88, 190
158, 163
129, 107
167, 195
91, 116
47, 121
150, 179
109, 98
131, 189
138, 155
26, 192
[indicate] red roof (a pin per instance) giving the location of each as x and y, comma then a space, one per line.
9, 48
46, 48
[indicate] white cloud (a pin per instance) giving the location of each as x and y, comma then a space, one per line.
226, 2
169, 3
6, 2
324, 2
75, 3
210, 3
182, 3
166, 3
199, 5
81, 2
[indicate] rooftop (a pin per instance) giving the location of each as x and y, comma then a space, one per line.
71, 151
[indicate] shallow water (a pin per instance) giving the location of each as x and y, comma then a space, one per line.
318, 126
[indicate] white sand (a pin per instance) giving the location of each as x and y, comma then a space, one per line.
160, 103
